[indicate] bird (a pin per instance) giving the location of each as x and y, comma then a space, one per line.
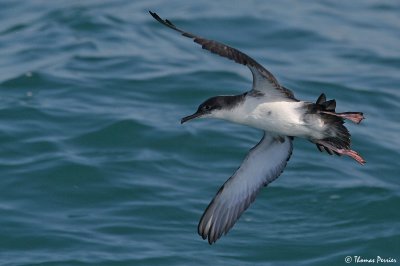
272, 108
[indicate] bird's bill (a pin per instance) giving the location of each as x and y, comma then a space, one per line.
190, 117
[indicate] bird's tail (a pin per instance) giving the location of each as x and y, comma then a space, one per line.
338, 140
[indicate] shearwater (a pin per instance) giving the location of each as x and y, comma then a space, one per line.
272, 108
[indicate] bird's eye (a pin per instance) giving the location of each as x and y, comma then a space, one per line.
207, 107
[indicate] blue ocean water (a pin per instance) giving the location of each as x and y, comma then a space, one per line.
96, 168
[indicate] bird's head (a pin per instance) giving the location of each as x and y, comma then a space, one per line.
209, 108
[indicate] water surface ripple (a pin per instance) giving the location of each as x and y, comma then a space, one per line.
97, 170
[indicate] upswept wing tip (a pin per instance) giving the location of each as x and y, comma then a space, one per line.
263, 80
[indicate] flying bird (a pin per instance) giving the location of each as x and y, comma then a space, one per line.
274, 109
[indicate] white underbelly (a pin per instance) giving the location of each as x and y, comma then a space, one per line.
282, 118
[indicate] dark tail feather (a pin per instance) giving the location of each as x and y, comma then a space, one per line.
324, 104
328, 107
321, 99
339, 141
319, 147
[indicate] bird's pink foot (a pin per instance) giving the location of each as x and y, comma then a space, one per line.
355, 117
348, 152
352, 154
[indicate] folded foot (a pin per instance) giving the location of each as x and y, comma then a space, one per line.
348, 152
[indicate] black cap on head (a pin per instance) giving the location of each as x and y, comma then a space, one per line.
206, 107
215, 103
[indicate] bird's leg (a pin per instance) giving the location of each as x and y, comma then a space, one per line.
351, 153
355, 117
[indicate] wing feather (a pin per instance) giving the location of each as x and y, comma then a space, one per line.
264, 163
263, 80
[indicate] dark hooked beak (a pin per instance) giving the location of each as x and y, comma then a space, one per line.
190, 117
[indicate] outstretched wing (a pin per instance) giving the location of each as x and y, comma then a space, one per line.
264, 163
263, 80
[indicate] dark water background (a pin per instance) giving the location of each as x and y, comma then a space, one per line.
97, 170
